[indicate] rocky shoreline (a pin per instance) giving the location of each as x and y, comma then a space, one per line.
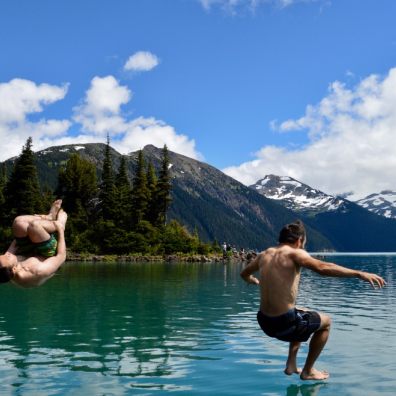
181, 258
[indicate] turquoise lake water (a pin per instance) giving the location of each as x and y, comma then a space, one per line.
188, 329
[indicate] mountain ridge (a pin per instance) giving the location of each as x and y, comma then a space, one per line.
220, 208
348, 225
203, 198
296, 195
383, 203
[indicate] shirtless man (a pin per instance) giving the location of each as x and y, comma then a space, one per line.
279, 268
35, 254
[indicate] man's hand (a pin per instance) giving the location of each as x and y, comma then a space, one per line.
373, 279
252, 280
59, 226
61, 222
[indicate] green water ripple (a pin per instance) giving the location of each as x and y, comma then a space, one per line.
155, 328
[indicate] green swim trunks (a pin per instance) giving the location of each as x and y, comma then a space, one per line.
25, 247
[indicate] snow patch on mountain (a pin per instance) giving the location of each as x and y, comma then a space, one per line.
296, 195
383, 204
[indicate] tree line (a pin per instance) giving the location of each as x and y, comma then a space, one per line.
107, 215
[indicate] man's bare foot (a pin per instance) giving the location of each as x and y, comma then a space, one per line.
53, 212
314, 374
292, 370
55, 208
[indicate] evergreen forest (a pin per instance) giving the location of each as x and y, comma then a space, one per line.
109, 214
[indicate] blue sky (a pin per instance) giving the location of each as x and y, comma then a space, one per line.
298, 88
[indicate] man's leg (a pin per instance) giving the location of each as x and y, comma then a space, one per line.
41, 230
53, 212
291, 364
318, 341
21, 223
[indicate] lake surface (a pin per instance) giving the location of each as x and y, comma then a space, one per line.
151, 329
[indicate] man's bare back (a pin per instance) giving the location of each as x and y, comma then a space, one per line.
279, 280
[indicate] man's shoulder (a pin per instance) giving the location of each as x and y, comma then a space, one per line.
290, 252
269, 250
284, 250
298, 256
266, 253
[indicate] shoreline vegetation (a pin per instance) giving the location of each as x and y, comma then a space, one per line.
112, 214
177, 258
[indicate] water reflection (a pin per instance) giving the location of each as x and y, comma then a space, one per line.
103, 329
125, 321
305, 390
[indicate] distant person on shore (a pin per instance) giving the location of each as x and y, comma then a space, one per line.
279, 273
224, 248
35, 254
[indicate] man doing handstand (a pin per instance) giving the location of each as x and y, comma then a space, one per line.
279, 268
35, 254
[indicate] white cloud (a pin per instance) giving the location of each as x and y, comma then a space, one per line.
19, 99
101, 113
352, 140
141, 61
143, 131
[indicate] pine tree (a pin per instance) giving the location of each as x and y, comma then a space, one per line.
139, 191
107, 194
48, 196
122, 175
163, 198
3, 182
22, 191
123, 194
77, 185
151, 193
5, 230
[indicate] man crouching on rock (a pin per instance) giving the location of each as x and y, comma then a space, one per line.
279, 273
35, 254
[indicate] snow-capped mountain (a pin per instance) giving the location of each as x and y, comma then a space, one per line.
383, 204
296, 195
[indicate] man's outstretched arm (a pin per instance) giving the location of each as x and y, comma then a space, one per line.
303, 259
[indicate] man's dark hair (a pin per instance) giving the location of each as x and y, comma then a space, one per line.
6, 274
290, 233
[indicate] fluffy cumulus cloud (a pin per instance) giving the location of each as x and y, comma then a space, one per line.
352, 140
19, 100
143, 131
141, 61
100, 111
101, 114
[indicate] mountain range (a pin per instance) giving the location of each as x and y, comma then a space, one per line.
220, 208
351, 226
296, 195
300, 197
383, 204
